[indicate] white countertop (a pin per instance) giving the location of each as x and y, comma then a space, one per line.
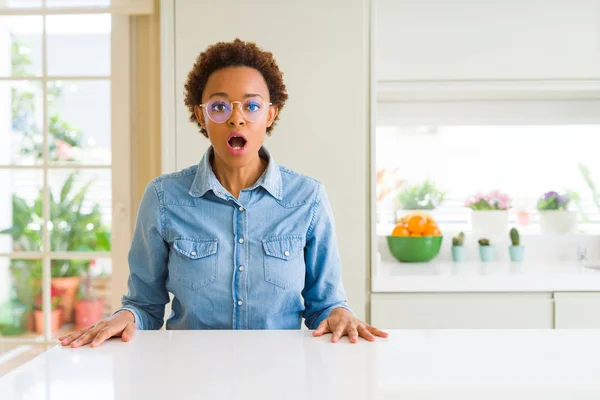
451, 364
500, 276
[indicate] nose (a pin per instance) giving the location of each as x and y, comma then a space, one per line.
236, 118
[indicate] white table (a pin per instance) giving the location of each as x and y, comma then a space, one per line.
468, 364
262, 365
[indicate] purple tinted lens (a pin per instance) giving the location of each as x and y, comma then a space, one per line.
218, 110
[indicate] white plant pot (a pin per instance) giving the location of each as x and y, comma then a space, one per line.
558, 221
492, 224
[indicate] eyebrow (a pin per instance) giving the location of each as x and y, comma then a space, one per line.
223, 94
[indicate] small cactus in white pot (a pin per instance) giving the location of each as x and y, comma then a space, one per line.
515, 250
459, 251
487, 251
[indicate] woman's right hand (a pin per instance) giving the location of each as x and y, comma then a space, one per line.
120, 324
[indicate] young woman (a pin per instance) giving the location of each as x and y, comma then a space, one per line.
240, 242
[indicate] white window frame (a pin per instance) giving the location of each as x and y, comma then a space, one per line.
120, 166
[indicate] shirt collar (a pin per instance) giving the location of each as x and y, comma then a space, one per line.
206, 180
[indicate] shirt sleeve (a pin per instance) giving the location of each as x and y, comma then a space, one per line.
148, 260
323, 290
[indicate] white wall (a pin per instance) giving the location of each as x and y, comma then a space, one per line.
322, 48
475, 39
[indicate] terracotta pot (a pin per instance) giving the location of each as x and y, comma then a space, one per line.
30, 322
68, 290
55, 320
88, 312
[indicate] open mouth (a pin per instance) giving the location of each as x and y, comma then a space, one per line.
237, 142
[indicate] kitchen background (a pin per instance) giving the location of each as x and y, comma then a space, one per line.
469, 96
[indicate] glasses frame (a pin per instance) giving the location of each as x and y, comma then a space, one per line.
231, 105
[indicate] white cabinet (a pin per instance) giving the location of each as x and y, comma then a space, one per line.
462, 310
483, 40
577, 310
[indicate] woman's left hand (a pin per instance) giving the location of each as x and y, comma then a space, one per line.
342, 322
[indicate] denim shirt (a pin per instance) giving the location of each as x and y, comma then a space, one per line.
263, 261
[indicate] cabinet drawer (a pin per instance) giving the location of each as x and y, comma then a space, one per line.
577, 310
462, 311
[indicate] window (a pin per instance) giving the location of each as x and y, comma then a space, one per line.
522, 148
64, 126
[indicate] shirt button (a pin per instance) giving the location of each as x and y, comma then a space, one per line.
240, 302
241, 267
241, 208
193, 253
287, 253
241, 240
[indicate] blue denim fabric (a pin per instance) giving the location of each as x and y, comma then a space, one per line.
263, 261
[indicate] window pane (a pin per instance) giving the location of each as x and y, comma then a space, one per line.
20, 210
20, 297
78, 45
21, 45
522, 161
79, 122
84, 291
81, 210
21, 113
21, 4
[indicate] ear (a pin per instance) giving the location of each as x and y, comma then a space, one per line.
200, 116
273, 111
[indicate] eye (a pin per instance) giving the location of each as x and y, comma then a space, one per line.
219, 106
253, 106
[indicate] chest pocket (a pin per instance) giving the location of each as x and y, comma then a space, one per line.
195, 262
284, 260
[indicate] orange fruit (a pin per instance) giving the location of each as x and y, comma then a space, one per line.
416, 234
400, 230
432, 230
416, 224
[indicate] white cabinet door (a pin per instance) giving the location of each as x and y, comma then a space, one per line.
577, 310
486, 40
322, 47
462, 311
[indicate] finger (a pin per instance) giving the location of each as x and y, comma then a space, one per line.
352, 334
322, 328
377, 332
128, 332
65, 339
85, 338
364, 333
338, 332
102, 335
74, 336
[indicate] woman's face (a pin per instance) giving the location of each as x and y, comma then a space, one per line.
236, 114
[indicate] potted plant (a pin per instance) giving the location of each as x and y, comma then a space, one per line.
55, 314
489, 213
486, 250
515, 250
459, 252
89, 309
423, 196
73, 230
555, 217
13, 316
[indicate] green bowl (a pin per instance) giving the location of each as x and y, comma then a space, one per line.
414, 249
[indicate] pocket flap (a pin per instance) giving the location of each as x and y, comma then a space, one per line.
284, 247
196, 248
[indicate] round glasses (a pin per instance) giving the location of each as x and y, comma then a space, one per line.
220, 111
